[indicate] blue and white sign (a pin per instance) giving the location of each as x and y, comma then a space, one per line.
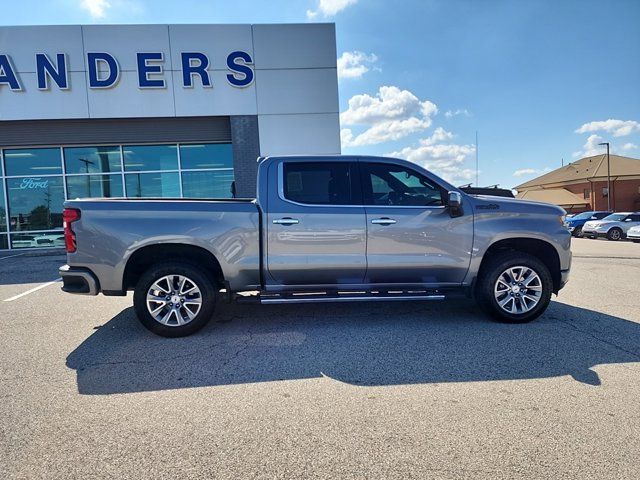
104, 71
284, 74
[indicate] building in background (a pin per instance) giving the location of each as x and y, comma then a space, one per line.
153, 111
582, 185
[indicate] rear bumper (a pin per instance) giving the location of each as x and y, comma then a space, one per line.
80, 281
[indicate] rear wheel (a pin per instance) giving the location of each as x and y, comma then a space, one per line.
514, 288
614, 234
577, 232
174, 299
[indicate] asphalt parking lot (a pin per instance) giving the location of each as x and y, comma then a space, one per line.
411, 390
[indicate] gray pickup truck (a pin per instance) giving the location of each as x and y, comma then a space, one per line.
322, 229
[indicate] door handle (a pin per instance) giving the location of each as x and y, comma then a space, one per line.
286, 221
383, 221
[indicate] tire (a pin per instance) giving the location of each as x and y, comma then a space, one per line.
179, 322
577, 232
487, 288
615, 234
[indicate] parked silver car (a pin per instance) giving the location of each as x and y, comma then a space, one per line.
634, 234
614, 227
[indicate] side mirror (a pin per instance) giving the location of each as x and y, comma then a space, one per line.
455, 204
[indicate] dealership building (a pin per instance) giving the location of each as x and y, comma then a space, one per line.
154, 111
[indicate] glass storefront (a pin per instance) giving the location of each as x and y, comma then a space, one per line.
35, 182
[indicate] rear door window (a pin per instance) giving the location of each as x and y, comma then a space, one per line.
318, 183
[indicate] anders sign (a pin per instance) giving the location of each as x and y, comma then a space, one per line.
103, 70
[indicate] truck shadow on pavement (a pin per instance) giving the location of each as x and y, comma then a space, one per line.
368, 345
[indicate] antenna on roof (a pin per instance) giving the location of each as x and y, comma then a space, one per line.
563, 161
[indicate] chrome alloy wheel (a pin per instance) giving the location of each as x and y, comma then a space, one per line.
518, 290
174, 300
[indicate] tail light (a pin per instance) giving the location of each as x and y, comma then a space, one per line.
69, 216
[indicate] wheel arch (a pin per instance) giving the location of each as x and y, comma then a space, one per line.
540, 249
146, 256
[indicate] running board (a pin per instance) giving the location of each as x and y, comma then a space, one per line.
346, 297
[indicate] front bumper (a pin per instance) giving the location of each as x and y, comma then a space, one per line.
80, 281
590, 233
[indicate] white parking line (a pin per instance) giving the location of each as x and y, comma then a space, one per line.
35, 289
11, 256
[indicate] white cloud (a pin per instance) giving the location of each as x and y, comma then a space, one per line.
386, 131
618, 128
329, 8
444, 159
591, 147
438, 135
628, 146
455, 113
389, 115
530, 171
355, 64
524, 171
96, 8
390, 103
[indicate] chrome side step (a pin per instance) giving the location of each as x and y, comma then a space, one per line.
346, 297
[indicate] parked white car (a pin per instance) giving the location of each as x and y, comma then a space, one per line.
633, 234
614, 227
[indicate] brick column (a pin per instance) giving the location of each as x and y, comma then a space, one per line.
246, 150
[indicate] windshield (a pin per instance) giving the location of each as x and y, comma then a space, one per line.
614, 217
582, 216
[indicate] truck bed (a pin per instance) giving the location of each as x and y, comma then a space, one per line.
110, 231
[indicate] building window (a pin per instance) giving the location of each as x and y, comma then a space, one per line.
138, 158
587, 193
94, 186
36, 180
37, 240
215, 178
32, 161
35, 203
152, 185
92, 160
605, 192
212, 184
212, 155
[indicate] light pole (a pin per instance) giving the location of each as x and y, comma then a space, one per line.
608, 177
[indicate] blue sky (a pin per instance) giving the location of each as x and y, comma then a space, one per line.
539, 80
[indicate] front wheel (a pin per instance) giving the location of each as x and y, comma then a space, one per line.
577, 232
614, 234
174, 299
514, 288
